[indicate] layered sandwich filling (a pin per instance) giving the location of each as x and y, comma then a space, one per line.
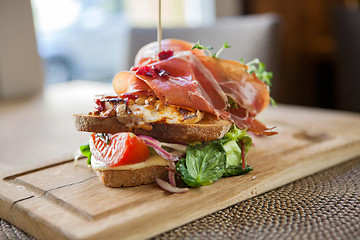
196, 164
127, 151
148, 109
153, 160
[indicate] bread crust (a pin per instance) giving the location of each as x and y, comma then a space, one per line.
132, 178
208, 129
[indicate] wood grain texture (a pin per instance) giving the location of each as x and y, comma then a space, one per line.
65, 201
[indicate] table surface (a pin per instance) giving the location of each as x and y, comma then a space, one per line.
40, 129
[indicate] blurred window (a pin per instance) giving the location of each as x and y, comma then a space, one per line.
175, 13
87, 39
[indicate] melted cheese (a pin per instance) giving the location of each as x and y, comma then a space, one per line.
154, 160
151, 112
168, 114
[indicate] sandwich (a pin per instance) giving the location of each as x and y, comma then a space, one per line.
181, 117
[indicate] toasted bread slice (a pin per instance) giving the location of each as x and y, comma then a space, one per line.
208, 129
132, 178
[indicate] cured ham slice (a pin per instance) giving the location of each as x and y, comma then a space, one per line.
147, 53
244, 88
189, 78
187, 83
241, 120
127, 82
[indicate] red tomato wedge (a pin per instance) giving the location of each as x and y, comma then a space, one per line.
118, 149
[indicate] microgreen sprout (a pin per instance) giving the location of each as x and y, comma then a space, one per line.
259, 69
221, 49
208, 49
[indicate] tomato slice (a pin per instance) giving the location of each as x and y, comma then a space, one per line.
118, 149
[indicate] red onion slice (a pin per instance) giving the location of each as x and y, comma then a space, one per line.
172, 166
168, 187
173, 156
172, 178
178, 147
180, 150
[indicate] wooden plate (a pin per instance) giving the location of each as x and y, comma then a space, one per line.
63, 201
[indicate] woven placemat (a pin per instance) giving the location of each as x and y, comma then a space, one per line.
325, 205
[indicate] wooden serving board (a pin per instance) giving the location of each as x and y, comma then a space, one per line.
64, 201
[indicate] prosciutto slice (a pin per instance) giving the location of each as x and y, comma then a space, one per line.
187, 83
148, 52
244, 88
241, 120
191, 79
127, 82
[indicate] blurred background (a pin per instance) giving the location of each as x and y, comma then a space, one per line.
312, 46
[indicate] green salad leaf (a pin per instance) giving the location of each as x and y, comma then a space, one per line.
232, 104
204, 165
233, 153
85, 150
236, 170
236, 144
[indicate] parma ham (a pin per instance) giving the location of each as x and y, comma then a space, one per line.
187, 77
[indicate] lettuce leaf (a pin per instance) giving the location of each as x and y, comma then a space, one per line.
204, 165
233, 170
85, 150
234, 142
